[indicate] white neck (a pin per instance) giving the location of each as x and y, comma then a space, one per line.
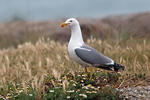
76, 35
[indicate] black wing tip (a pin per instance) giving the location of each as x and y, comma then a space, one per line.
106, 68
118, 67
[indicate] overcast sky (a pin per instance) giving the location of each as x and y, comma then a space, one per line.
52, 9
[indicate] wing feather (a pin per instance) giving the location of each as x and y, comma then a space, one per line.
92, 56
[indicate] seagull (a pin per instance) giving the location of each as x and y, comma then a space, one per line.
84, 54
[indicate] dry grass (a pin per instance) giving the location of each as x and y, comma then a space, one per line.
32, 63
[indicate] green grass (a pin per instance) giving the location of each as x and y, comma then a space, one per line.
44, 70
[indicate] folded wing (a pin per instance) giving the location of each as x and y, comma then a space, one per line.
92, 56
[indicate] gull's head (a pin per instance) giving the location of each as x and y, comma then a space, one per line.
70, 22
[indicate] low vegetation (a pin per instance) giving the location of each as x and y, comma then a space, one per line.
44, 70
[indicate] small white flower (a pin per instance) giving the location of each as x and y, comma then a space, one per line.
83, 95
17, 84
74, 84
57, 87
82, 81
68, 97
85, 87
82, 84
92, 87
20, 91
88, 92
51, 90
8, 94
31, 95
94, 91
70, 91
84, 75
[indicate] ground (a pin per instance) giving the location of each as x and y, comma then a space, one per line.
44, 70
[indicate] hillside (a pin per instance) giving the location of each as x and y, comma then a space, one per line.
135, 25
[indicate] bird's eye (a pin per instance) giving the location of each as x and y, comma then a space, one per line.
70, 20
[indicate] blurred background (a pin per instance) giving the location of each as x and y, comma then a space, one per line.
52, 9
28, 20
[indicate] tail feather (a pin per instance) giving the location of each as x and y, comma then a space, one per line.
116, 67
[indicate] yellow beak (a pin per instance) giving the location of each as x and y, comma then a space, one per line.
63, 24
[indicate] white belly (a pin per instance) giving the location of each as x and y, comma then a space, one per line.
74, 57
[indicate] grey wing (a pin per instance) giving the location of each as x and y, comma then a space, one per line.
92, 56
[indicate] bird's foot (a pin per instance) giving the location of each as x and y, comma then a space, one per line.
85, 70
92, 70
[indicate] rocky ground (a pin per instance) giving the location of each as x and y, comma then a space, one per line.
136, 93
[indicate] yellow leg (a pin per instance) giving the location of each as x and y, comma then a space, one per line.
85, 69
91, 68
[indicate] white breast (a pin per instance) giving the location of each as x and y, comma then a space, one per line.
76, 41
72, 54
